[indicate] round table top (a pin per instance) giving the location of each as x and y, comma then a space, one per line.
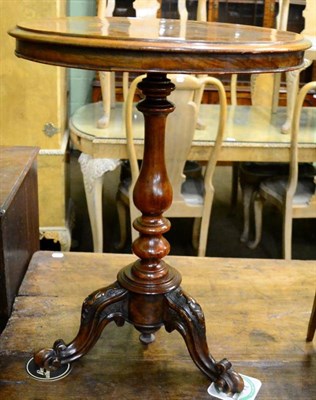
158, 45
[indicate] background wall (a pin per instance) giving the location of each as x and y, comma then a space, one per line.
80, 81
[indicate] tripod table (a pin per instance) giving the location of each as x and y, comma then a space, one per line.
147, 292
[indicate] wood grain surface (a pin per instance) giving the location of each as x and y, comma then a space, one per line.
158, 45
256, 314
19, 237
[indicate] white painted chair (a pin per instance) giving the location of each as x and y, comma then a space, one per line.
293, 194
264, 93
105, 8
191, 197
293, 77
93, 169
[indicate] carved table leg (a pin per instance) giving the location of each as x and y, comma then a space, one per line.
186, 316
98, 309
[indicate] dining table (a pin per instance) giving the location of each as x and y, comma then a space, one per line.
252, 133
147, 292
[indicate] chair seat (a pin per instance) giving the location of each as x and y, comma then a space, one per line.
262, 170
192, 190
277, 187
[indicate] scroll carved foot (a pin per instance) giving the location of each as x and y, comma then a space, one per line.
186, 316
100, 308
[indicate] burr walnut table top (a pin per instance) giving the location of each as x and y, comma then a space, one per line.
264, 331
158, 45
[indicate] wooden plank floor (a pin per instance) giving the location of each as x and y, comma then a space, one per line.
256, 313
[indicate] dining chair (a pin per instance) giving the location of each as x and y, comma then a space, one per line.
249, 174
94, 168
112, 8
265, 90
293, 194
191, 197
293, 77
252, 174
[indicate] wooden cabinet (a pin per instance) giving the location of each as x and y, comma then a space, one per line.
34, 113
19, 237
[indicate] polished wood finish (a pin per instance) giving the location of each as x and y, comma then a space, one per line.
193, 201
152, 196
247, 12
147, 292
19, 237
120, 44
266, 317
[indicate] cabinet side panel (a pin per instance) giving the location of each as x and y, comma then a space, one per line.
20, 237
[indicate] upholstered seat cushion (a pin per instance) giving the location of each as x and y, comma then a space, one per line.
267, 169
263, 169
276, 187
193, 191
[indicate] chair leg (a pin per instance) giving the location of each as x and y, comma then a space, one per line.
93, 191
234, 193
276, 92
312, 323
205, 222
247, 194
258, 206
122, 216
287, 233
196, 232
105, 81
